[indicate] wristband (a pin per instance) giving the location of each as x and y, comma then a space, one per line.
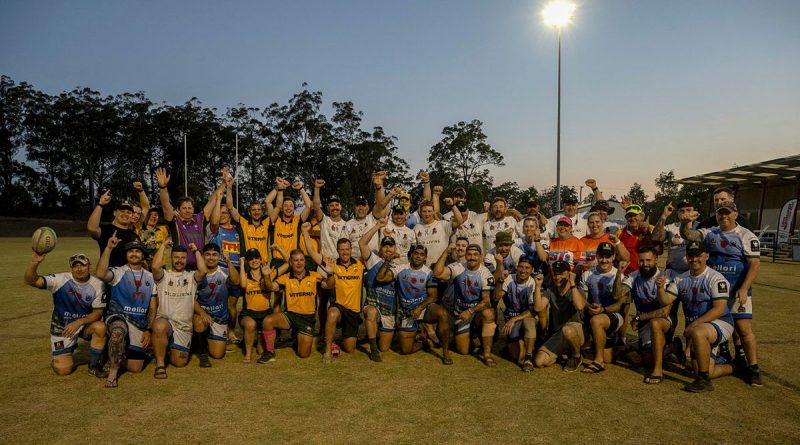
100, 205
162, 187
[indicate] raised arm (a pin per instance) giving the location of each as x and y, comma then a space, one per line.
312, 252
235, 215
380, 194
363, 242
437, 191
209, 207
425, 178
32, 277
93, 225
272, 210
157, 265
269, 283
664, 298
163, 194
440, 269
659, 234
144, 201
202, 270
622, 251
233, 273
102, 265
687, 232
597, 194
316, 200
213, 218
307, 205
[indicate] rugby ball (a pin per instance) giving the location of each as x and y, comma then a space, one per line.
44, 240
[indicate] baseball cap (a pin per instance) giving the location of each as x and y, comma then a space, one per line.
605, 250
405, 196
211, 246
361, 200
79, 258
603, 205
684, 204
334, 198
729, 206
695, 248
398, 208
475, 247
136, 244
636, 209
417, 247
564, 220
560, 266
503, 238
460, 193
387, 241
180, 249
570, 200
252, 254
125, 205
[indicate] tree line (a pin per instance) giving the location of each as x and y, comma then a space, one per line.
58, 153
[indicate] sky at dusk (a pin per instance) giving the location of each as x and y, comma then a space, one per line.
648, 86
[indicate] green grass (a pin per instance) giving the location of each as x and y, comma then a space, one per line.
402, 400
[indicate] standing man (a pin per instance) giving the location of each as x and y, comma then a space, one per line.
78, 303
121, 225
533, 210
501, 219
635, 234
285, 223
211, 326
570, 208
175, 306
131, 308
434, 233
722, 196
735, 252
671, 236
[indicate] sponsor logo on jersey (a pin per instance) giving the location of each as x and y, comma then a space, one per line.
722, 287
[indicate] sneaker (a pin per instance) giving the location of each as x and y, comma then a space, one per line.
327, 358
699, 385
755, 378
573, 363
98, 371
335, 351
375, 356
205, 362
266, 357
527, 365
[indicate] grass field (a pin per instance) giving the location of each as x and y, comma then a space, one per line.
402, 400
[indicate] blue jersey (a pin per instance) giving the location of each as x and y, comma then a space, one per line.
469, 285
130, 295
697, 294
212, 295
412, 286
517, 297
644, 292
529, 250
598, 287
729, 252
381, 295
228, 241
73, 300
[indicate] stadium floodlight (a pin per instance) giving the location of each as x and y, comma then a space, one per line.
558, 13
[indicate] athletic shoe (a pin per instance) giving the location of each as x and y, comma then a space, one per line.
699, 385
572, 363
266, 357
527, 365
725, 351
755, 378
335, 351
98, 371
327, 358
205, 362
375, 356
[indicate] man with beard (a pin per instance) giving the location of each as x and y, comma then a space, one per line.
520, 328
211, 326
472, 285
175, 306
671, 236
501, 219
508, 253
254, 226
703, 293
131, 308
735, 252
120, 225
607, 291
434, 233
78, 303
345, 309
652, 320
187, 227
285, 223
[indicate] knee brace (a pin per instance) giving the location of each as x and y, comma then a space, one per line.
488, 329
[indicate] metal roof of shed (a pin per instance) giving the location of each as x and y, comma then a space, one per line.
782, 170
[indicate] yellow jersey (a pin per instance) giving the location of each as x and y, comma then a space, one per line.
300, 294
286, 235
256, 298
255, 237
349, 279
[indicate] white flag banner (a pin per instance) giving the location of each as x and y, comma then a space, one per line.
785, 220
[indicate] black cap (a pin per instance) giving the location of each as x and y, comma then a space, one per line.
211, 246
461, 206
398, 208
570, 200
460, 193
695, 248
136, 244
387, 241
251, 254
334, 198
605, 250
604, 206
125, 205
561, 266
180, 249
683, 205
361, 200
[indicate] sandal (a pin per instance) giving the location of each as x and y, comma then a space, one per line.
489, 361
653, 379
111, 383
447, 360
593, 368
160, 372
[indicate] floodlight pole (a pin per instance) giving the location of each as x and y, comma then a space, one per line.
236, 171
185, 168
558, 129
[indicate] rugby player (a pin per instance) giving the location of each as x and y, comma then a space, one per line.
434, 233
501, 219
703, 293
256, 305
520, 323
509, 255
570, 209
211, 326
563, 305
472, 284
121, 225
345, 309
607, 290
131, 308
176, 305
533, 210
734, 251
285, 223
78, 303
670, 234
635, 234
381, 302
721, 196
228, 239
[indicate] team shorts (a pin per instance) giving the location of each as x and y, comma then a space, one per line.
303, 323
349, 322
218, 331
518, 332
179, 339
234, 291
741, 311
134, 350
411, 324
459, 326
724, 332
257, 316
66, 345
646, 333
557, 345
617, 321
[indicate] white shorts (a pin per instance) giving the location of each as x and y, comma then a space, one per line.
66, 345
179, 339
218, 331
724, 332
410, 324
646, 333
458, 326
741, 311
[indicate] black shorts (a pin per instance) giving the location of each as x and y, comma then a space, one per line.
350, 321
257, 316
302, 323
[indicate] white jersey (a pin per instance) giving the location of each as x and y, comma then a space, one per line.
509, 262
177, 292
598, 287
471, 228
330, 232
404, 238
435, 237
355, 229
579, 225
676, 257
492, 227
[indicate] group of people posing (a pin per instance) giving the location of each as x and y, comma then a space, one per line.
170, 282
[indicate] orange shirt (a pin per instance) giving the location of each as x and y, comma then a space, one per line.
589, 247
568, 250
